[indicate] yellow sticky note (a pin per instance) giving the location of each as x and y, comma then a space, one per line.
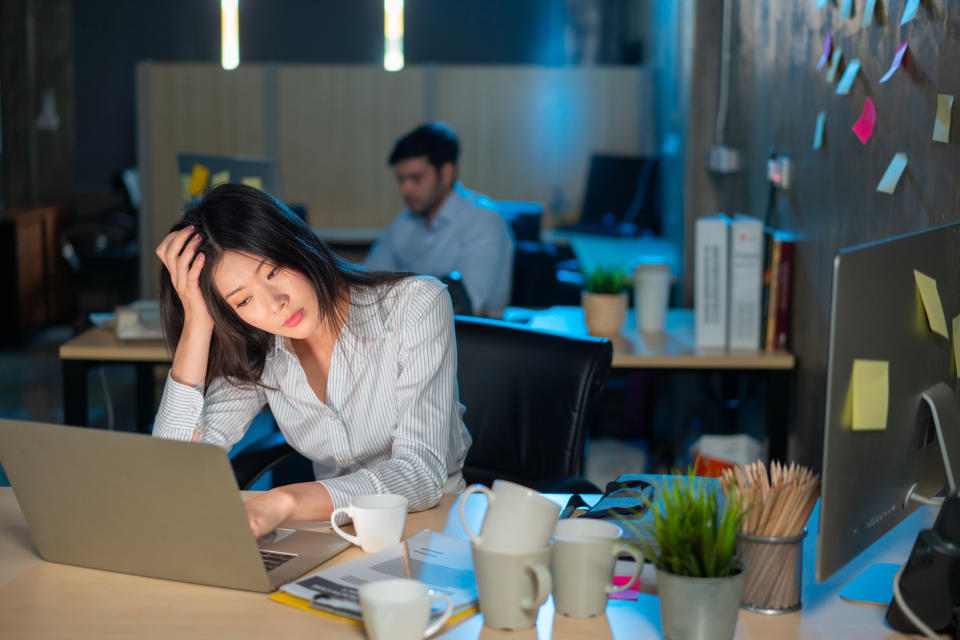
871, 389
220, 177
198, 181
931, 303
941, 127
818, 131
956, 345
888, 183
253, 181
834, 64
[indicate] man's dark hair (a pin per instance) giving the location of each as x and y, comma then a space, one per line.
435, 140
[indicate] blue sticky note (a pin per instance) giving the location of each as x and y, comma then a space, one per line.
849, 75
910, 11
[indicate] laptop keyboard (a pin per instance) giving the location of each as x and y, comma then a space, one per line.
273, 559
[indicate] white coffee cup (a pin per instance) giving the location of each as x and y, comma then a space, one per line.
511, 585
378, 520
400, 609
584, 556
517, 517
651, 294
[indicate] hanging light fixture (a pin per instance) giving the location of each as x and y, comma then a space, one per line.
229, 34
393, 35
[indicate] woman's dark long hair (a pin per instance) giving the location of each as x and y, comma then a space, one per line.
235, 217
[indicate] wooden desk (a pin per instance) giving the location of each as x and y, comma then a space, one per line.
96, 347
46, 600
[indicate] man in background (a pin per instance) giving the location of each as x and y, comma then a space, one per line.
445, 227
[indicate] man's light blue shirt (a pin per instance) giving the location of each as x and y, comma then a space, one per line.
463, 236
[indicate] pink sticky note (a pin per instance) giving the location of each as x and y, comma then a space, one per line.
626, 594
863, 127
897, 59
827, 45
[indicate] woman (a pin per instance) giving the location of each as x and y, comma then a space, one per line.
359, 369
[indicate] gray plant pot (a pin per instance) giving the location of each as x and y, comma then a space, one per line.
699, 608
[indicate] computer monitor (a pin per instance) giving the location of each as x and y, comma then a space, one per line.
879, 314
252, 170
622, 196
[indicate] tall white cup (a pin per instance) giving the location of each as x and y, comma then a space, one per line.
517, 517
651, 293
400, 610
377, 519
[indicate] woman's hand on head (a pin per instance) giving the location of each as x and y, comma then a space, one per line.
178, 253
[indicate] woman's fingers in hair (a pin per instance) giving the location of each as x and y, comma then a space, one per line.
174, 244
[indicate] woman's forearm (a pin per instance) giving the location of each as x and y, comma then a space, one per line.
300, 501
190, 360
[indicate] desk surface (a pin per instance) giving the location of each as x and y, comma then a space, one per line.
45, 600
673, 349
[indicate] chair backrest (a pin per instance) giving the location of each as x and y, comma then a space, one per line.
527, 393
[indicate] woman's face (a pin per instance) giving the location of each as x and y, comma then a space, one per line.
277, 300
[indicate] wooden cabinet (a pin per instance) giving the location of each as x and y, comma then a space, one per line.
34, 279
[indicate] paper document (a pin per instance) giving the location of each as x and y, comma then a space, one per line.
442, 562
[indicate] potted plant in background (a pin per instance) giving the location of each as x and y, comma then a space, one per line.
691, 538
604, 301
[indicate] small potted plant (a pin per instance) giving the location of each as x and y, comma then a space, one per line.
692, 540
604, 301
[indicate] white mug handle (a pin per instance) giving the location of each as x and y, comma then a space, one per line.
474, 488
442, 620
343, 534
617, 549
544, 585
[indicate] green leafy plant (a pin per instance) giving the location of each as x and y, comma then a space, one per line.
609, 281
692, 533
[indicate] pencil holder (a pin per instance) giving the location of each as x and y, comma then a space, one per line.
774, 572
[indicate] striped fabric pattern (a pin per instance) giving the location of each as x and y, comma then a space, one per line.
392, 422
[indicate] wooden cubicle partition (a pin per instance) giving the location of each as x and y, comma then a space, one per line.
526, 132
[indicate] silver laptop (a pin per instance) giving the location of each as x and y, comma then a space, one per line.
135, 504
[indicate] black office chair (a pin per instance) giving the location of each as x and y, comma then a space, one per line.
527, 394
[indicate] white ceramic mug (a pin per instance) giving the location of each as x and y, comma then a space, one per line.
377, 519
511, 585
400, 609
584, 556
651, 294
517, 517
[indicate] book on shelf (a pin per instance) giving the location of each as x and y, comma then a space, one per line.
711, 266
746, 282
442, 562
777, 318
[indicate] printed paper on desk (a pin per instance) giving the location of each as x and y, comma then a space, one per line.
931, 303
441, 561
849, 75
897, 59
834, 64
818, 132
868, 11
827, 45
909, 11
941, 127
865, 124
888, 183
871, 389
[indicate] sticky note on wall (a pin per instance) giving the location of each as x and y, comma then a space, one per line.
868, 10
909, 11
927, 287
849, 75
221, 177
818, 131
198, 179
871, 394
888, 183
834, 64
253, 181
941, 127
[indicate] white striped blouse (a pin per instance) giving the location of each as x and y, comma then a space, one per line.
392, 422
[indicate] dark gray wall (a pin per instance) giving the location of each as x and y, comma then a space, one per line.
777, 93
